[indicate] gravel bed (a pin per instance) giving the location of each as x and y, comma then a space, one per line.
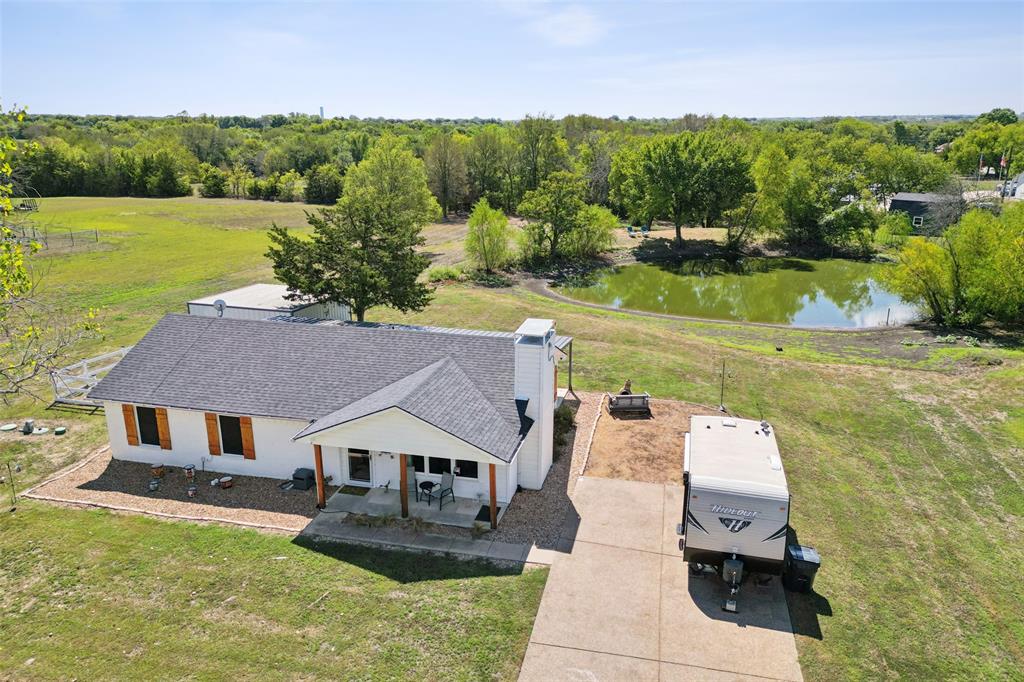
252, 501
537, 516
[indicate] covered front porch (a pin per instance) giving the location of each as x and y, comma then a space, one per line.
463, 512
393, 456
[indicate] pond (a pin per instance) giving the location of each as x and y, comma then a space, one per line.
791, 291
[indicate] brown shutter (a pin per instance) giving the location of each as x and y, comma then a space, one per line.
162, 429
248, 446
212, 433
131, 431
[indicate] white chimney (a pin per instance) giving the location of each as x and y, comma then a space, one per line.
535, 359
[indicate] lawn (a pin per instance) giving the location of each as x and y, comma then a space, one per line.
904, 459
94, 595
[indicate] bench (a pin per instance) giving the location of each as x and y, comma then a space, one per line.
636, 402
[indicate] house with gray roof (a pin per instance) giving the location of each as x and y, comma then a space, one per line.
396, 407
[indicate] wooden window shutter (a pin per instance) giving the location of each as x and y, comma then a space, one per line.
212, 433
162, 428
248, 445
130, 429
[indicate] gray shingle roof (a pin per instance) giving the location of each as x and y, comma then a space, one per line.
461, 383
439, 394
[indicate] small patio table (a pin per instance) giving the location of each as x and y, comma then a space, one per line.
428, 489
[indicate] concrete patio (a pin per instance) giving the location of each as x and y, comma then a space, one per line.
462, 513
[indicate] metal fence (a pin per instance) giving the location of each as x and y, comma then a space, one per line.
56, 237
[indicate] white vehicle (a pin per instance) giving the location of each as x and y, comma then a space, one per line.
736, 502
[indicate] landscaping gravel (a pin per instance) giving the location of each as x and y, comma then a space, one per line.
251, 501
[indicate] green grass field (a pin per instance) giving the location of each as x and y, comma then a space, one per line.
905, 467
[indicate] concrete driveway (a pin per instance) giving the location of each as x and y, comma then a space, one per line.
623, 606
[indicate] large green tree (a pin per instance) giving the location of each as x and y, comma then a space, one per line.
446, 170
554, 209
363, 250
694, 178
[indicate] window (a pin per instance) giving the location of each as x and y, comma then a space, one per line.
440, 466
231, 435
465, 468
416, 461
149, 432
918, 221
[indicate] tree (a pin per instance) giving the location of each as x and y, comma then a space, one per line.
892, 169
34, 337
363, 250
629, 191
288, 186
487, 241
323, 184
1002, 116
594, 234
542, 150
554, 209
667, 169
214, 181
446, 170
483, 165
973, 272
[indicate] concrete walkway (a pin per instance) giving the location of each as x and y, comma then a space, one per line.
330, 527
623, 605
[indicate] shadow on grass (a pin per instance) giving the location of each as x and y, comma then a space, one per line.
406, 566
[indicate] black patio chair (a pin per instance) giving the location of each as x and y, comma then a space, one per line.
447, 488
410, 481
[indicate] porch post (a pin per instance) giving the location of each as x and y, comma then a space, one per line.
570, 373
321, 496
494, 497
403, 489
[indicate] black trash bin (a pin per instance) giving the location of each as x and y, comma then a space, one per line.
802, 564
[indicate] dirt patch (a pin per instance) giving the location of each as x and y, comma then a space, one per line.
643, 449
251, 501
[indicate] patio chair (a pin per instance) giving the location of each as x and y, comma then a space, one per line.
410, 481
447, 488
630, 231
645, 231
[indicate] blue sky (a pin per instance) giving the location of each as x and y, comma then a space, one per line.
506, 59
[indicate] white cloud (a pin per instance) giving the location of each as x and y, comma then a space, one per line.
560, 24
570, 26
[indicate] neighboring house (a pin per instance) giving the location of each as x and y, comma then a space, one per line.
917, 205
262, 301
353, 401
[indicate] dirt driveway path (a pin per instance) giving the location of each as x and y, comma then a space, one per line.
623, 606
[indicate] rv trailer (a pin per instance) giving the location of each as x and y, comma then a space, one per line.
736, 501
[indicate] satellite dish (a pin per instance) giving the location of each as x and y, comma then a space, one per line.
219, 305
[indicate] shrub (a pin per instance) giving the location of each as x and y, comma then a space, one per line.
323, 185
595, 234
445, 273
488, 239
565, 420
214, 181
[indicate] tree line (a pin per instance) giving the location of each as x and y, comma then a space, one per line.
811, 183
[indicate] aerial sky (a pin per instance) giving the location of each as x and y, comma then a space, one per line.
507, 59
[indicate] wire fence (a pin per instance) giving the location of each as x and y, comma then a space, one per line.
55, 237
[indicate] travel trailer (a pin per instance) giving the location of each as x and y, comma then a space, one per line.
736, 501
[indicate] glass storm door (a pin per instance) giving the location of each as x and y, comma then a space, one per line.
359, 466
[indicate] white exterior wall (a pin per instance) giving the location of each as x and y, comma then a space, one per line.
203, 310
394, 431
329, 310
323, 311
277, 455
535, 381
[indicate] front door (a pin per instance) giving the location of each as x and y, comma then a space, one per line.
359, 467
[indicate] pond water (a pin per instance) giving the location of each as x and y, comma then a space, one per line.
792, 291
